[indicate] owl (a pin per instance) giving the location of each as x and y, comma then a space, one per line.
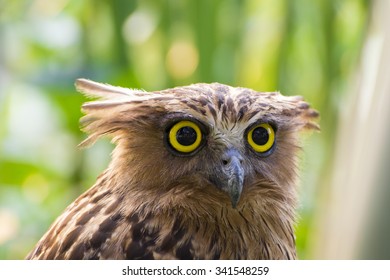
205, 171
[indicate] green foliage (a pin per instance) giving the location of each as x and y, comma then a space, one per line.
302, 47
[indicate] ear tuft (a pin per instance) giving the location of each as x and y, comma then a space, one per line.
103, 91
102, 117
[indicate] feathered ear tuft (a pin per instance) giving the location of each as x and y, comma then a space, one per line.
308, 116
104, 91
115, 109
305, 116
311, 116
108, 95
105, 116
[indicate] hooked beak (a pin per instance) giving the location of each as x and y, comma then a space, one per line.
229, 175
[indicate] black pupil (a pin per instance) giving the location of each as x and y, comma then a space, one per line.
186, 136
260, 136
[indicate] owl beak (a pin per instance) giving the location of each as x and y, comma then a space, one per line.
230, 176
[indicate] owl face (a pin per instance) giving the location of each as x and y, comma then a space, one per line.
224, 153
228, 140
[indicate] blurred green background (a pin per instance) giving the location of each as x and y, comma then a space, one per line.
302, 47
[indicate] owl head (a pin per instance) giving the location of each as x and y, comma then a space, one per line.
204, 141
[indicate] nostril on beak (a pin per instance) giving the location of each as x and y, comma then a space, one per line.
228, 160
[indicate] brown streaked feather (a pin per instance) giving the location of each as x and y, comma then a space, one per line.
217, 234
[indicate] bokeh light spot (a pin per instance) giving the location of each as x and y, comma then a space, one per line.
139, 26
182, 59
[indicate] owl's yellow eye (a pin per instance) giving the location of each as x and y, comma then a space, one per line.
185, 136
261, 137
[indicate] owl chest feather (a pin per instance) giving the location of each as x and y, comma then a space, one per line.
101, 224
177, 238
190, 234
